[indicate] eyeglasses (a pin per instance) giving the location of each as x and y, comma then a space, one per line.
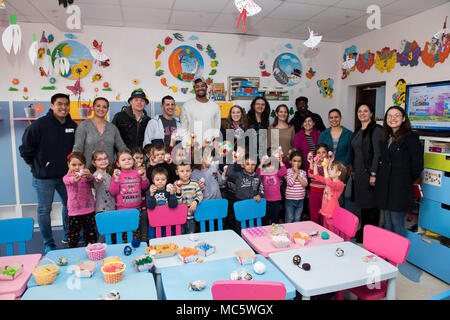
394, 116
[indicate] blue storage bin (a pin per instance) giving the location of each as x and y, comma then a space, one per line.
435, 216
431, 257
433, 192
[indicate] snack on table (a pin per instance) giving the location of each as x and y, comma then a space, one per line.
301, 238
205, 249
143, 263
188, 254
162, 250
277, 229
85, 269
10, 271
245, 256
281, 241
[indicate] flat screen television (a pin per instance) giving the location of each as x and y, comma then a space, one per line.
428, 108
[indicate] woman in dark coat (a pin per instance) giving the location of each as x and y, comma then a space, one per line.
401, 163
364, 155
257, 119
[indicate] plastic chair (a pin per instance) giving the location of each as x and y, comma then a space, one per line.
248, 210
387, 245
8, 296
16, 230
248, 290
209, 210
442, 296
163, 216
345, 223
117, 221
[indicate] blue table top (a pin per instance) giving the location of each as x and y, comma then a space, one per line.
176, 279
134, 285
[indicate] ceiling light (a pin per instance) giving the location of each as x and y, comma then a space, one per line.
2, 5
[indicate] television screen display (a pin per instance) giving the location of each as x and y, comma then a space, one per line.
428, 106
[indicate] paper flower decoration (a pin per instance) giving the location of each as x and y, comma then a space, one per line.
15, 81
409, 53
33, 51
246, 8
52, 80
385, 59
135, 82
313, 40
365, 61
311, 73
12, 36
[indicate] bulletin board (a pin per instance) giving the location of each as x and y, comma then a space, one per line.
7, 194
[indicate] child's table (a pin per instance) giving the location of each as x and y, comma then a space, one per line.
264, 246
67, 286
225, 241
175, 280
330, 273
18, 285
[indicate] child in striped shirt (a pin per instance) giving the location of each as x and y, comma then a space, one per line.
189, 193
296, 181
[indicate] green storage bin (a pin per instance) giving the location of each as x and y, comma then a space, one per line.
437, 161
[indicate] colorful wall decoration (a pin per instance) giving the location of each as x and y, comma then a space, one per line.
385, 59
349, 64
184, 63
438, 49
409, 53
326, 87
365, 61
399, 97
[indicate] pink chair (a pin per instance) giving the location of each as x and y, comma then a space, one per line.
163, 216
387, 245
345, 223
9, 296
248, 290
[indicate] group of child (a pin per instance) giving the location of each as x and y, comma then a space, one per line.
145, 178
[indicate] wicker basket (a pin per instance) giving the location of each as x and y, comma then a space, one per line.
113, 277
96, 251
46, 274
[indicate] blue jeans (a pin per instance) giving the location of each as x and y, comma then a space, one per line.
45, 189
293, 209
395, 221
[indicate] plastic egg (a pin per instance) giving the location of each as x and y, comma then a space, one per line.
234, 275
259, 267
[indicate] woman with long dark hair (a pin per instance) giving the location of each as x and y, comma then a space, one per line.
258, 118
364, 156
400, 164
236, 121
286, 132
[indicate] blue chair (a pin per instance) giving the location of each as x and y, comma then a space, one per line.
117, 221
16, 230
209, 210
442, 296
249, 210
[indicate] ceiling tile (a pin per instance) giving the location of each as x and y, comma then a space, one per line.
229, 20
338, 16
386, 19
296, 11
326, 3
276, 25
200, 5
191, 18
267, 6
108, 2
22, 7
182, 27
145, 24
102, 22
346, 32
132, 14
318, 28
157, 4
411, 7
101, 11
37, 19
362, 4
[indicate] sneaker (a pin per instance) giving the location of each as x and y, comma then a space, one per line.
49, 248
64, 240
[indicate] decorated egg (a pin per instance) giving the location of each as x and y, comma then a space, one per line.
135, 243
306, 266
325, 235
339, 252
127, 250
259, 267
62, 261
296, 259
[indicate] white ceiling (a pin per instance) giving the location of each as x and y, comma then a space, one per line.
336, 20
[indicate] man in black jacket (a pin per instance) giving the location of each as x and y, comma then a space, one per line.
46, 143
133, 119
303, 112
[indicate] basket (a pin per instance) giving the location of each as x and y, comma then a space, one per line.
10, 271
113, 277
96, 251
45, 274
281, 241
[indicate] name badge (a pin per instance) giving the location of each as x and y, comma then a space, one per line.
70, 130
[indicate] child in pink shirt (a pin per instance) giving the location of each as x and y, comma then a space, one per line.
334, 174
80, 201
127, 185
271, 181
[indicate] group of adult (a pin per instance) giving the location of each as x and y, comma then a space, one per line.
392, 153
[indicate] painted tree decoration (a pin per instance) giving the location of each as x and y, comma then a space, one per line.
409, 53
365, 61
385, 59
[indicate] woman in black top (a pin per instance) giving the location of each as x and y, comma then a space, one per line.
258, 118
364, 155
401, 162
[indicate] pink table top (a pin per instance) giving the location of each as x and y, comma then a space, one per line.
264, 246
18, 285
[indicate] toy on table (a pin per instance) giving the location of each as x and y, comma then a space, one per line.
45, 274
281, 240
205, 249
339, 252
85, 269
143, 263
96, 251
197, 285
112, 295
162, 250
127, 250
256, 231
314, 233
277, 229
245, 256
135, 243
113, 271
301, 238
62, 261
370, 258
10, 271
259, 267
325, 235
297, 260
188, 255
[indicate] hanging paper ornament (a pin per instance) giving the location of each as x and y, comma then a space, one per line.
246, 8
12, 36
326, 87
409, 53
385, 59
97, 52
365, 61
313, 40
33, 50
96, 77
167, 40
